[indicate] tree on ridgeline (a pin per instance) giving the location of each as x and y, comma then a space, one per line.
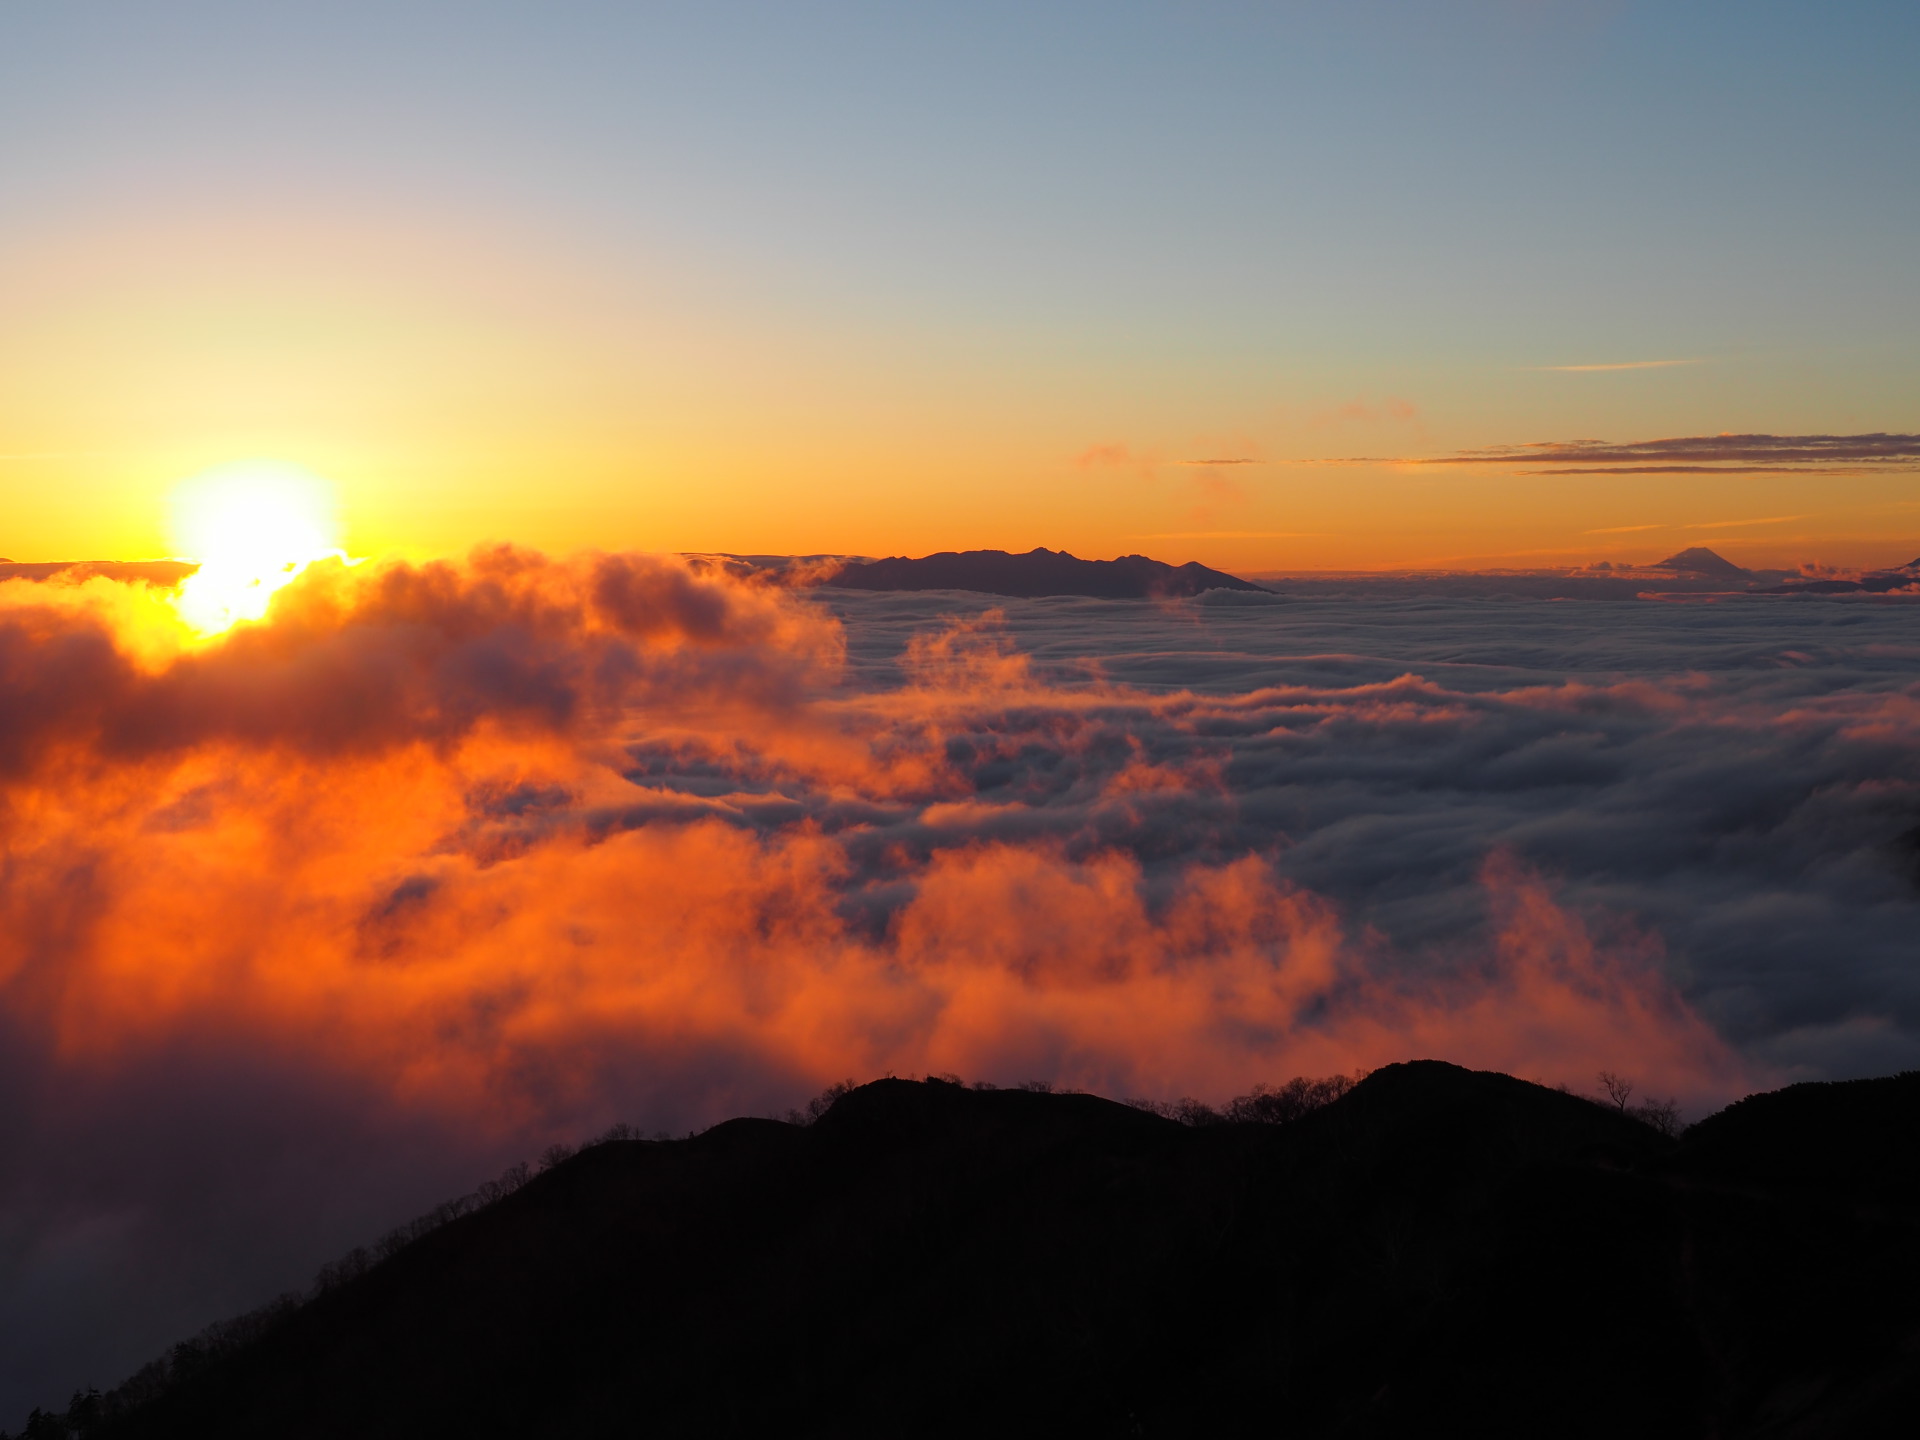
1661, 1115
1263, 1105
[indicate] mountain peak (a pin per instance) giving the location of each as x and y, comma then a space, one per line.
1698, 560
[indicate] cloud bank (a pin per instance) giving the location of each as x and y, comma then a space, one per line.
308, 928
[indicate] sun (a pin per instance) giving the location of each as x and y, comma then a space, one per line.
252, 526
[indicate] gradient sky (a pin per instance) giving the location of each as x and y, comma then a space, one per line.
879, 279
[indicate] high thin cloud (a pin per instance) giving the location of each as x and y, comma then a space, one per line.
1619, 365
304, 929
1700, 454
1686, 455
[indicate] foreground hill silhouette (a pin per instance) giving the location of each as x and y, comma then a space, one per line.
1038, 572
1437, 1252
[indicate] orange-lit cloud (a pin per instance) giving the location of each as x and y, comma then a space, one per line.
1104, 455
1362, 410
409, 827
303, 928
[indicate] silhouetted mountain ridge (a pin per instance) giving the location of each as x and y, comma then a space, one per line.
1038, 572
164, 573
1436, 1251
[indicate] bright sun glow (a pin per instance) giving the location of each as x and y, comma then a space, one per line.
253, 527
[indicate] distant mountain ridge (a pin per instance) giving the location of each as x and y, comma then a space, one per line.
164, 573
1431, 1251
1038, 572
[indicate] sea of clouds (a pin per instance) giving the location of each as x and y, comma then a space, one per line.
308, 928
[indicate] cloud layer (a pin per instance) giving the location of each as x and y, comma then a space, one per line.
304, 929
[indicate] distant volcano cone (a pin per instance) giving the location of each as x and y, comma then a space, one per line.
1698, 560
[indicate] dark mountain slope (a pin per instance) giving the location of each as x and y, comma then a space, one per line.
1038, 572
1855, 1142
1441, 1251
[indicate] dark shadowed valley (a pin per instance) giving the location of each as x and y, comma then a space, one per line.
1435, 1251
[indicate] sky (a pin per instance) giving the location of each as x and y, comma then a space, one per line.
866, 279
457, 806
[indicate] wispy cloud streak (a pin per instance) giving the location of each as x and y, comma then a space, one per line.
1713, 451
1689, 455
1618, 365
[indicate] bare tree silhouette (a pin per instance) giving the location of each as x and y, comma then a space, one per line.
1661, 1115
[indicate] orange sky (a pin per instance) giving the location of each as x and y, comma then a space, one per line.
463, 391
